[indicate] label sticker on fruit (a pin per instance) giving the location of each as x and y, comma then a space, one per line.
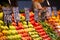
16, 14
55, 11
7, 12
27, 13
36, 14
49, 11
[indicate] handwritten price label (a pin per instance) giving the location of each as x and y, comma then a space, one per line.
36, 14
27, 13
16, 14
7, 14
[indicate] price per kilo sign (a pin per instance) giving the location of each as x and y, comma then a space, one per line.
27, 13
7, 14
16, 14
36, 14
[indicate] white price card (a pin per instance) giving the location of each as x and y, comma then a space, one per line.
27, 13
55, 11
7, 12
36, 13
16, 14
49, 10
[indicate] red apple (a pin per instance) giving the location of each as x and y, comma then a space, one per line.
42, 33
17, 28
36, 24
31, 15
25, 35
38, 27
45, 36
33, 22
13, 23
41, 30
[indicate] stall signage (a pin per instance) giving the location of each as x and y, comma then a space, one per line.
36, 14
55, 11
16, 14
27, 13
7, 14
49, 11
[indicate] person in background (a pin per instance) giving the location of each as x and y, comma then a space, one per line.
36, 4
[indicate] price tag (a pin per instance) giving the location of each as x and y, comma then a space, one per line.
43, 15
7, 14
36, 14
27, 13
55, 11
16, 14
49, 11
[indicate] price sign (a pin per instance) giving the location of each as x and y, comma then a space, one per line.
16, 14
36, 14
7, 14
55, 11
49, 11
27, 13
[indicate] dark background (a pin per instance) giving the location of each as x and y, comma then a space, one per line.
52, 2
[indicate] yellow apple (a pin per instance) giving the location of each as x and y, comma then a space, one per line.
1, 15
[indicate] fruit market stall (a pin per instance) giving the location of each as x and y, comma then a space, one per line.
25, 24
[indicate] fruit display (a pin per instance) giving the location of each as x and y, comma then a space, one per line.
31, 30
54, 22
49, 30
23, 31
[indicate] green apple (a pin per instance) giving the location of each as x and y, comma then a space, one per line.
5, 32
9, 32
22, 18
6, 27
2, 27
18, 39
24, 22
13, 37
14, 32
1, 15
18, 36
25, 26
33, 33
30, 29
1, 22
9, 37
30, 26
12, 27
37, 38
29, 22
34, 36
